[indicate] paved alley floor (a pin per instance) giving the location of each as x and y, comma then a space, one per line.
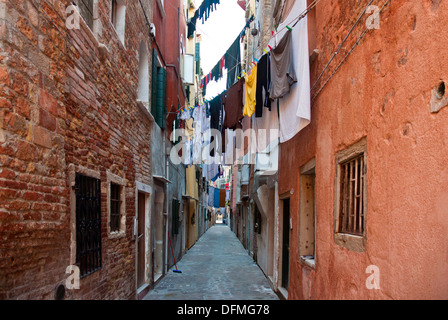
217, 267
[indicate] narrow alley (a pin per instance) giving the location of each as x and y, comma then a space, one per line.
217, 267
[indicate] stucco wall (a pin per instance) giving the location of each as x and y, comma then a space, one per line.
382, 92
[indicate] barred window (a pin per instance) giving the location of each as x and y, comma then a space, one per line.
115, 207
351, 197
88, 224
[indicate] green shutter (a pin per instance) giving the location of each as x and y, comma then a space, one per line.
197, 54
154, 84
197, 57
161, 98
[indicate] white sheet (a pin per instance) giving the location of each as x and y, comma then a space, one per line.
295, 108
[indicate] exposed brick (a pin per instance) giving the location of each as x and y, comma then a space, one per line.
42, 137
47, 120
23, 107
5, 104
18, 83
27, 151
17, 124
64, 106
4, 76
7, 173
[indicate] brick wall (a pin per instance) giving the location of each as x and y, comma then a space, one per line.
67, 100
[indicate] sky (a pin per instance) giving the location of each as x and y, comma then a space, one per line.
218, 33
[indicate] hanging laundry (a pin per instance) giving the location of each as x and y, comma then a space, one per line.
250, 93
216, 72
283, 74
233, 62
263, 83
206, 7
295, 107
216, 113
215, 123
222, 198
216, 197
211, 196
233, 105
189, 128
192, 24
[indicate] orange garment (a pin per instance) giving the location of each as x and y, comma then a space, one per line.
250, 93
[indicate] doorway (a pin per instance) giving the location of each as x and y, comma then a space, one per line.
141, 239
285, 243
158, 233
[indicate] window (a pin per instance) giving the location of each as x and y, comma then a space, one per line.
175, 216
351, 213
158, 92
115, 207
118, 18
307, 214
88, 224
86, 11
143, 75
350, 200
197, 57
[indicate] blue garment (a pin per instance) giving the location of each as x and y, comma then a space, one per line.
216, 198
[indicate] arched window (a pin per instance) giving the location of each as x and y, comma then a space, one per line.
118, 18
143, 75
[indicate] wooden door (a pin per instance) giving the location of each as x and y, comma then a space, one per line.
141, 240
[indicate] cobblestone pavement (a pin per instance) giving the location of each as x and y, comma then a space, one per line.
217, 267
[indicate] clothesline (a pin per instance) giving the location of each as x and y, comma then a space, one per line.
205, 80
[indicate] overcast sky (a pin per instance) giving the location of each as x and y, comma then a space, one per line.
218, 33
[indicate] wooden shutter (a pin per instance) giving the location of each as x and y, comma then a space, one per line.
197, 57
154, 85
161, 98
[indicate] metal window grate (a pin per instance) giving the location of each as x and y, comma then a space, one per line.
351, 218
88, 224
115, 207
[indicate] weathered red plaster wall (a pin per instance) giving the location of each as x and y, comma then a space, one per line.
382, 92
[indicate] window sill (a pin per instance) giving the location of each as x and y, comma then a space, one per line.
144, 107
351, 242
116, 234
308, 261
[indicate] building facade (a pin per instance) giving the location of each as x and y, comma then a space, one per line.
76, 158
358, 199
89, 198
365, 174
